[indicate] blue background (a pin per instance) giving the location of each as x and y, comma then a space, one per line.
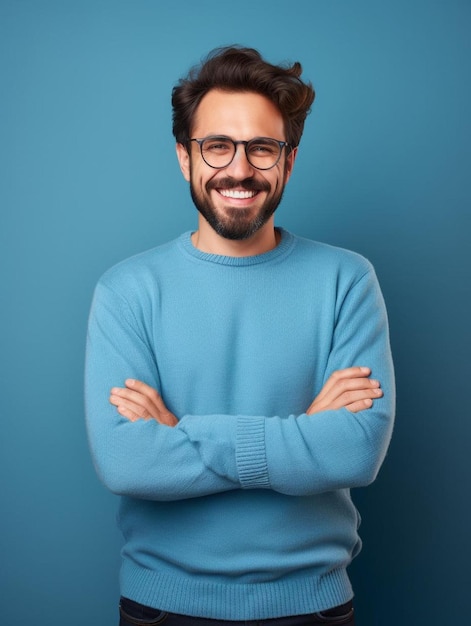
89, 176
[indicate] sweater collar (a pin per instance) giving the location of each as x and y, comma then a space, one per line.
284, 246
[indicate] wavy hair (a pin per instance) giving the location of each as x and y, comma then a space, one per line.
235, 68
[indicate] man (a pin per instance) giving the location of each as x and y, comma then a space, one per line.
244, 366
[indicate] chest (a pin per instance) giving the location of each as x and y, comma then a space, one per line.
247, 344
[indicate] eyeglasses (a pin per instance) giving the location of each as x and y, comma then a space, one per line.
218, 151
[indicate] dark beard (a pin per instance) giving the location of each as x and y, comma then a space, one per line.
236, 224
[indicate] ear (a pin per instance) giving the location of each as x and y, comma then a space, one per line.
184, 160
290, 159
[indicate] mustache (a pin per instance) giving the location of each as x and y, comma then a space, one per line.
248, 184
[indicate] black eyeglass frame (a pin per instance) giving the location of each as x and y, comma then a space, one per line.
282, 144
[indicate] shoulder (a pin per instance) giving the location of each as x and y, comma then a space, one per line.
330, 259
137, 283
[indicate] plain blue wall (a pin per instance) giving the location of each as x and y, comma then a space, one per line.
89, 176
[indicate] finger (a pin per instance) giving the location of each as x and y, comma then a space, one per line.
128, 413
363, 395
155, 404
345, 399
134, 412
343, 386
356, 371
153, 407
145, 389
341, 375
127, 408
143, 400
360, 405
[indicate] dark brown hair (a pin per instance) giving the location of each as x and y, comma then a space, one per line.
243, 69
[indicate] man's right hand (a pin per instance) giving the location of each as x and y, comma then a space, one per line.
350, 388
140, 401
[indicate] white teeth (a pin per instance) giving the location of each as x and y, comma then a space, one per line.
235, 193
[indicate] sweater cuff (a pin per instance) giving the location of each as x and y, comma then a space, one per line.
250, 453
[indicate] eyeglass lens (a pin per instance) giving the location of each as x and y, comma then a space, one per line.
261, 152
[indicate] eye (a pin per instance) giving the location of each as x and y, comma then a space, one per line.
263, 147
217, 145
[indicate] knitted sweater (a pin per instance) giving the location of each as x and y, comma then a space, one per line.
243, 510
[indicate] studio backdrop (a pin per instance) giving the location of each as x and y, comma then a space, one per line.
89, 176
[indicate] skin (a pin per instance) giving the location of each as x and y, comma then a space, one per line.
350, 388
241, 116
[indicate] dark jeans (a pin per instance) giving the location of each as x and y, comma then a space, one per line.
134, 614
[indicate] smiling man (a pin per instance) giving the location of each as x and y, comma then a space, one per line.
239, 379
242, 187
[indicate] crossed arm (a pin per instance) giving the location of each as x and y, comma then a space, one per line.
141, 450
350, 388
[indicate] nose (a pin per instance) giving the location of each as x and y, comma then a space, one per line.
240, 167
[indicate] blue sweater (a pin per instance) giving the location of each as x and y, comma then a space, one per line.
243, 510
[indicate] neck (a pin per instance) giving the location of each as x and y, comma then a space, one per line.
264, 240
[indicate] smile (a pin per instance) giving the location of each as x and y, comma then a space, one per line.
236, 193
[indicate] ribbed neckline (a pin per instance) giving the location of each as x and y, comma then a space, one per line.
286, 243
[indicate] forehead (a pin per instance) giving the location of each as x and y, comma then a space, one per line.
240, 115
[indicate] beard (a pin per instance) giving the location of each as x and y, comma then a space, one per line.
234, 223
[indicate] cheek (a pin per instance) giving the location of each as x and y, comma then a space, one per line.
278, 181
198, 180
195, 176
